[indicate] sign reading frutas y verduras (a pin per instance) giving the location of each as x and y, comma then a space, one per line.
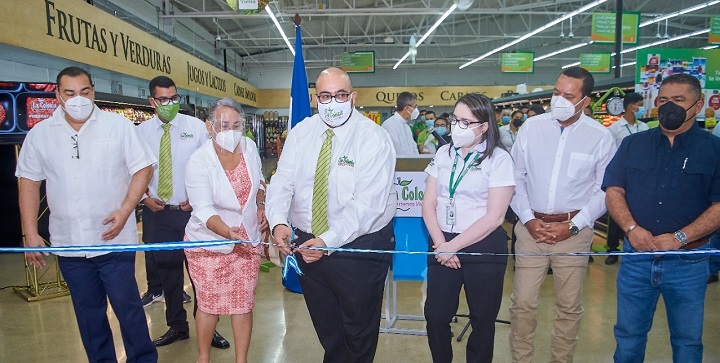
714, 36
603, 28
519, 62
80, 32
358, 62
410, 188
595, 62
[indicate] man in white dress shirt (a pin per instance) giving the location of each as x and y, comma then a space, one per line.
166, 210
397, 125
95, 168
351, 205
627, 125
560, 159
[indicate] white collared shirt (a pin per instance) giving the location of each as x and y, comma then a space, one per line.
187, 134
471, 195
622, 129
361, 197
401, 135
561, 171
82, 192
507, 136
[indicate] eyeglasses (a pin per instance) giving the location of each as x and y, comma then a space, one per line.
462, 123
341, 97
75, 146
164, 101
228, 125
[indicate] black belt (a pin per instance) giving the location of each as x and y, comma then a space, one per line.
171, 207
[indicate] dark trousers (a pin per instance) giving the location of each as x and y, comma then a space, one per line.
615, 235
344, 292
94, 281
482, 278
168, 226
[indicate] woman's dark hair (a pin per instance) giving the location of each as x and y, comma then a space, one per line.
538, 109
516, 112
483, 109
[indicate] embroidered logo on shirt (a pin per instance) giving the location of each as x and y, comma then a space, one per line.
344, 161
186, 135
475, 167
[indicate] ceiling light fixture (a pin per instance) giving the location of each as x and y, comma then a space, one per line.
576, 46
427, 34
680, 12
711, 47
536, 31
277, 25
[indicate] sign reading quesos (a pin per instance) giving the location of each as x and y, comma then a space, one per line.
79, 32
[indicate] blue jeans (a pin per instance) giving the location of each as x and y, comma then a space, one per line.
714, 259
682, 281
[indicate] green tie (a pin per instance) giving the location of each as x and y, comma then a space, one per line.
320, 188
165, 184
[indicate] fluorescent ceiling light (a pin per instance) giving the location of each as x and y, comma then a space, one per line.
427, 34
576, 46
277, 25
665, 41
710, 47
626, 64
536, 31
571, 65
680, 12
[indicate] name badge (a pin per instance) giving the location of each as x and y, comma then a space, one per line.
450, 214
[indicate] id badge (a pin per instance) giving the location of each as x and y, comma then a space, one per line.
450, 214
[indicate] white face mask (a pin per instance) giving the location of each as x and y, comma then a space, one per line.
335, 113
561, 109
79, 108
229, 139
464, 137
415, 113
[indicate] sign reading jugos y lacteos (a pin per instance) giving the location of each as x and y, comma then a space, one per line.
80, 32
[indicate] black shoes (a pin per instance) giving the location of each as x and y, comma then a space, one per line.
171, 336
149, 298
712, 278
611, 260
219, 342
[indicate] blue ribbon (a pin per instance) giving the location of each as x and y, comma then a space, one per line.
165, 246
291, 262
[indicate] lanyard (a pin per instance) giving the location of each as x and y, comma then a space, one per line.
512, 137
637, 128
453, 186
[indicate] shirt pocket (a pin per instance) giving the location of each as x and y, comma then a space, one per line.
580, 165
342, 183
641, 177
693, 181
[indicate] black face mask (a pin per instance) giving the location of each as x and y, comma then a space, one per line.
672, 115
517, 122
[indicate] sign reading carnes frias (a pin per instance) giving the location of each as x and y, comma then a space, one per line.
80, 32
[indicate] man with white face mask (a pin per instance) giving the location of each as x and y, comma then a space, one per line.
397, 124
560, 159
334, 181
96, 168
172, 137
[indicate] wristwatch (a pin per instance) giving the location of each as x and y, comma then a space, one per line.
681, 237
574, 230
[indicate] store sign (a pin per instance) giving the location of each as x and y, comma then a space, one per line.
519, 62
656, 64
80, 32
595, 62
603, 28
714, 36
358, 62
410, 188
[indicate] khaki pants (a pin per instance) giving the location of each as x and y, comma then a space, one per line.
568, 275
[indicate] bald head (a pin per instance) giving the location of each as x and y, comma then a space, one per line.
332, 81
336, 74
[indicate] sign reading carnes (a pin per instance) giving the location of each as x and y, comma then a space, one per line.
80, 32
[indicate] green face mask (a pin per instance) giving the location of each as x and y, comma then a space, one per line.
168, 112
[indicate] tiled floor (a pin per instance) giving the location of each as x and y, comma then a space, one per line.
45, 331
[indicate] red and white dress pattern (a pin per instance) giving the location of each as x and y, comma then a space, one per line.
225, 283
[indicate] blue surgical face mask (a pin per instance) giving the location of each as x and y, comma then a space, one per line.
429, 123
441, 130
524, 116
422, 118
505, 120
640, 112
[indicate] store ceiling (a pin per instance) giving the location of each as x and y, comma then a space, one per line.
385, 26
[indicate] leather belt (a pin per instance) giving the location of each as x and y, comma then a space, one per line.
695, 244
171, 207
555, 218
